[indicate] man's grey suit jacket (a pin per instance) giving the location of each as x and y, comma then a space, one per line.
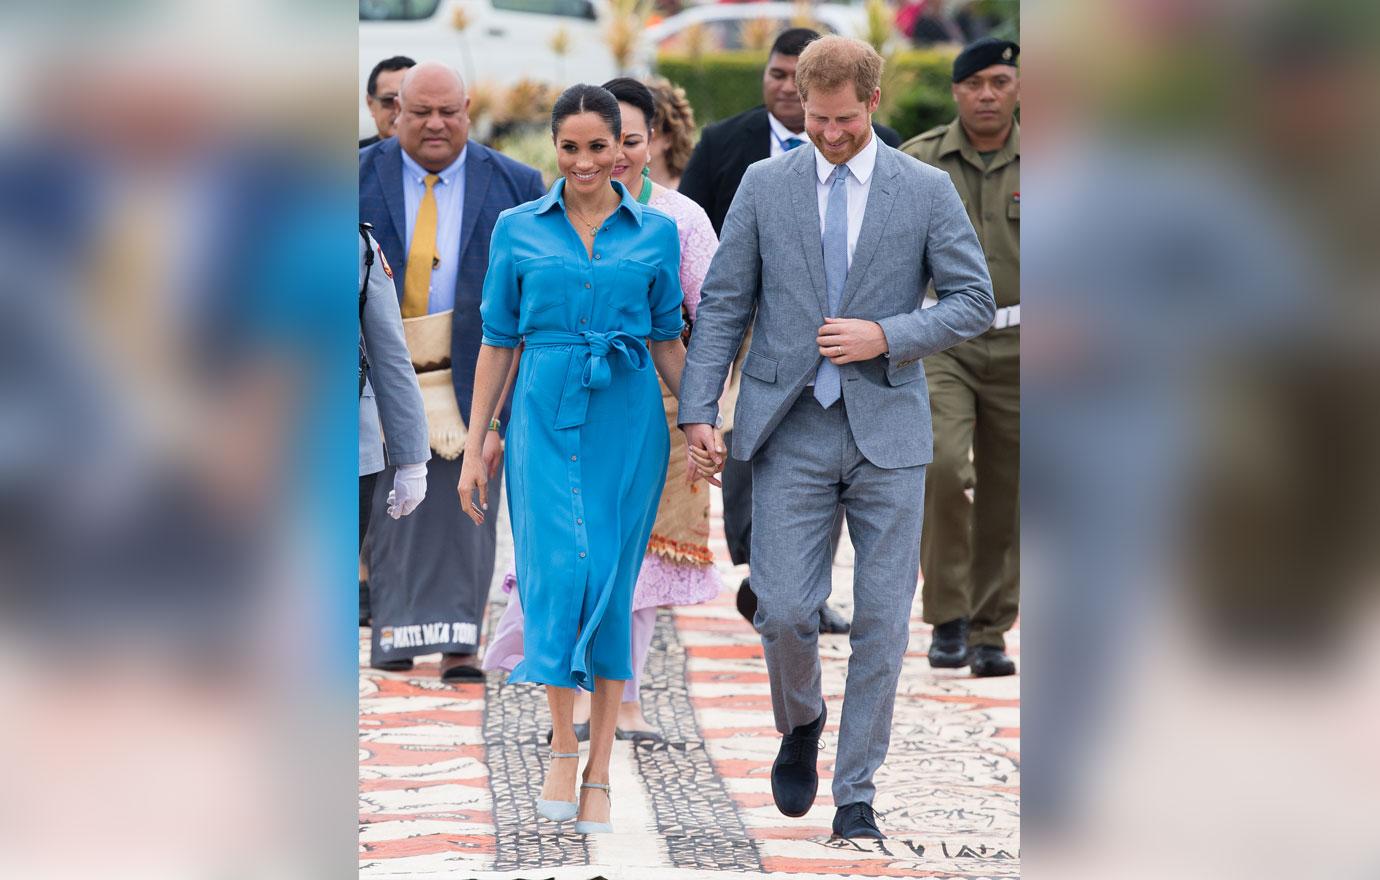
770, 263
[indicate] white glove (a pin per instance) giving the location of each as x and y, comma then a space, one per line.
409, 488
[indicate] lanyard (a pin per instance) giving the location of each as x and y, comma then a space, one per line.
782, 143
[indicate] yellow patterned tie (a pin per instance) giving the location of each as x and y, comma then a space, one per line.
421, 257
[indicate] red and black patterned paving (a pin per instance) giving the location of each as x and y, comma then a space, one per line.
449, 774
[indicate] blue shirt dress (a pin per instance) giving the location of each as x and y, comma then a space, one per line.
587, 441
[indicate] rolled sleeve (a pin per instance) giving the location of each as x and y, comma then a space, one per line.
502, 298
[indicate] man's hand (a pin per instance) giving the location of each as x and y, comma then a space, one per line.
409, 488
493, 453
704, 453
846, 340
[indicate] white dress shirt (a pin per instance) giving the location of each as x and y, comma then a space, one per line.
450, 207
780, 134
860, 169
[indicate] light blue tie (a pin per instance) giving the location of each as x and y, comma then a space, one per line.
827, 386
791, 143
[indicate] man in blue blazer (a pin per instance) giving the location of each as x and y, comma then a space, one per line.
433, 196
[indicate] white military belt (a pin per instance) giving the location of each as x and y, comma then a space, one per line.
1007, 317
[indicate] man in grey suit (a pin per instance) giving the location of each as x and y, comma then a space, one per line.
389, 393
831, 249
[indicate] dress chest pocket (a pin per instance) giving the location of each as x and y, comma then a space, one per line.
633, 285
542, 282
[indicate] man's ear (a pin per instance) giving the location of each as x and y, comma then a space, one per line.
875, 101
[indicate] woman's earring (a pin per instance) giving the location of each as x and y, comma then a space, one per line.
647, 170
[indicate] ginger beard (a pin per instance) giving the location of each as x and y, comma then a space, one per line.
838, 122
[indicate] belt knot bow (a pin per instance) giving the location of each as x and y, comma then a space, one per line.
595, 370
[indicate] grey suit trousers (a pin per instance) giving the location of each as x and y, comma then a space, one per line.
808, 466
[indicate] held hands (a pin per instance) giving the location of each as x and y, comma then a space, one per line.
704, 453
846, 340
409, 488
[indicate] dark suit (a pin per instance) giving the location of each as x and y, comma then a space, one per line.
493, 183
369, 141
724, 152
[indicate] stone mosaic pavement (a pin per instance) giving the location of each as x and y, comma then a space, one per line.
448, 774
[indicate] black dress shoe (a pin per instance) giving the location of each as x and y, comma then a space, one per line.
855, 821
949, 645
747, 602
989, 661
794, 779
830, 621
402, 665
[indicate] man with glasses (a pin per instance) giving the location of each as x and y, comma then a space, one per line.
382, 95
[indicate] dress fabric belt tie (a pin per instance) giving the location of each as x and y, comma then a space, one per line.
592, 372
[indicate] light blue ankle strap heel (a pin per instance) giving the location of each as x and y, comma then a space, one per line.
558, 811
583, 827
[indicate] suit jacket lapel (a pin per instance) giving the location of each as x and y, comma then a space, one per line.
805, 202
388, 166
880, 199
756, 138
477, 176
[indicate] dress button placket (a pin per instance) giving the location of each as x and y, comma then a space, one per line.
577, 505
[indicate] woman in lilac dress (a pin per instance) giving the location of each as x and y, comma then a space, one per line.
678, 568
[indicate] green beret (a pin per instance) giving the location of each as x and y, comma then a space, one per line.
983, 54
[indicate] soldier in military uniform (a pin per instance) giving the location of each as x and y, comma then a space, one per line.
390, 401
970, 550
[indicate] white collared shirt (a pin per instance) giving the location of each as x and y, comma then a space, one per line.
779, 134
860, 169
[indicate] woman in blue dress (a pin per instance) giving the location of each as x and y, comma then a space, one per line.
580, 277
